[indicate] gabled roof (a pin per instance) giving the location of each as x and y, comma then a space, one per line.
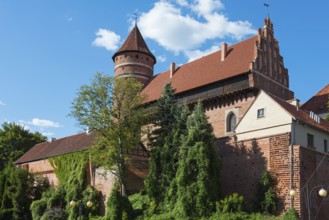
134, 42
61, 146
301, 115
318, 103
206, 70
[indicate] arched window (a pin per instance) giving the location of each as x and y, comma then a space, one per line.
231, 122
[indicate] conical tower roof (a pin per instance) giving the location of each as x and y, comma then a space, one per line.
134, 42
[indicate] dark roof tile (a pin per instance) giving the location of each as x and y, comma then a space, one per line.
318, 103
64, 145
134, 42
206, 70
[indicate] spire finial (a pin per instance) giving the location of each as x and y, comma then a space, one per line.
267, 5
135, 17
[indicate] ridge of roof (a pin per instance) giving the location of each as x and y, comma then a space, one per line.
205, 70
134, 42
65, 145
300, 114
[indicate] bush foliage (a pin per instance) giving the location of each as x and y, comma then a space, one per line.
18, 188
70, 171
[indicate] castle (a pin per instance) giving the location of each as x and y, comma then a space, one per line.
257, 122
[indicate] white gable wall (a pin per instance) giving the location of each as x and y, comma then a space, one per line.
319, 137
276, 120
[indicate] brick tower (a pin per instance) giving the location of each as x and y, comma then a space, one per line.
134, 59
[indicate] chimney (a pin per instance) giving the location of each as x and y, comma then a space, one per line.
224, 51
294, 102
172, 69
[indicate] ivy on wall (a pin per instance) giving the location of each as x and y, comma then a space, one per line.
70, 170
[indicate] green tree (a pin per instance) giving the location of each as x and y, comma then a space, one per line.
198, 184
18, 188
15, 141
170, 123
111, 108
266, 201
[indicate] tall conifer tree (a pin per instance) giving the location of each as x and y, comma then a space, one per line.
164, 152
198, 170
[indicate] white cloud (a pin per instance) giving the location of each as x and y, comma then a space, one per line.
48, 134
41, 123
195, 54
180, 32
182, 2
44, 123
26, 127
205, 7
107, 39
161, 58
2, 103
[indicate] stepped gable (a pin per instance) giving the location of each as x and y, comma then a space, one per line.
61, 146
134, 43
206, 70
302, 115
318, 103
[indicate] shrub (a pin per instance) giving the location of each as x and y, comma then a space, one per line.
140, 203
266, 201
55, 214
291, 214
38, 208
117, 205
230, 204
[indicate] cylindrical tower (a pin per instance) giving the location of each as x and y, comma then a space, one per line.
134, 59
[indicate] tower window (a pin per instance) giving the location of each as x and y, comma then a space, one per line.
137, 56
231, 122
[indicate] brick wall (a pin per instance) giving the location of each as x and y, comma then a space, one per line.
242, 165
314, 170
216, 115
43, 168
279, 167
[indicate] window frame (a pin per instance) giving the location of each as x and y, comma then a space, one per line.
310, 140
325, 145
229, 127
261, 115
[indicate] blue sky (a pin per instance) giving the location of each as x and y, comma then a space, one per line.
48, 49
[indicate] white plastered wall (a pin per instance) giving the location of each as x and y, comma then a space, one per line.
276, 120
301, 136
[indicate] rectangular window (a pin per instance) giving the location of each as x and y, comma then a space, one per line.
325, 145
260, 113
310, 140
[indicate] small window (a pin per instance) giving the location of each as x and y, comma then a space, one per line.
231, 122
261, 113
310, 140
325, 145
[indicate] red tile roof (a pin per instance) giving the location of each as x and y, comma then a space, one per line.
64, 145
302, 115
134, 42
318, 103
206, 70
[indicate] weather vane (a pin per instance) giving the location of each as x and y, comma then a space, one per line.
135, 17
267, 5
